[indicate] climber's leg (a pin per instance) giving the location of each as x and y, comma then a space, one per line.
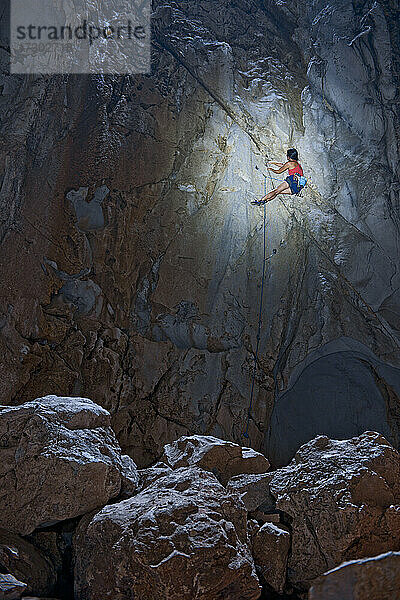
283, 188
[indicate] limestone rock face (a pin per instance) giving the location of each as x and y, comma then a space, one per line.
271, 545
59, 459
376, 578
224, 459
130, 255
343, 501
181, 538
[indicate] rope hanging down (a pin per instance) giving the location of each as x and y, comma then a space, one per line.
381, 321
246, 432
265, 258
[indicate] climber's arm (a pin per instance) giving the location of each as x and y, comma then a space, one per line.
281, 169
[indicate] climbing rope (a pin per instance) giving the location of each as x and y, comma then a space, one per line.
265, 258
246, 432
357, 294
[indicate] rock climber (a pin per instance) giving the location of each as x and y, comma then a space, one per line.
295, 181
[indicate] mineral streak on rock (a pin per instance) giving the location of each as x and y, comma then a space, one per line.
10, 587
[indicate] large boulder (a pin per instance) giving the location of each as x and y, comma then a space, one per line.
271, 545
182, 537
59, 458
10, 587
343, 500
129, 477
376, 578
27, 562
224, 459
253, 490
151, 474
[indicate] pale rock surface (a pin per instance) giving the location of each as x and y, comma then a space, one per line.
375, 578
271, 545
182, 538
59, 459
343, 501
10, 587
224, 459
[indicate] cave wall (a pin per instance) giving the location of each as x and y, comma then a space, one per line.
131, 258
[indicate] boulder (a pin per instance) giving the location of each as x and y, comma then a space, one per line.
151, 474
343, 502
27, 563
10, 587
271, 545
129, 477
376, 578
224, 459
253, 490
59, 458
182, 537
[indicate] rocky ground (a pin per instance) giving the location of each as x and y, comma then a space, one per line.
209, 521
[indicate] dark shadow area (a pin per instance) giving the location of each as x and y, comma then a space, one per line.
340, 395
